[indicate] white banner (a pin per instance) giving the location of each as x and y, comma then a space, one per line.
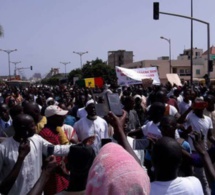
135, 76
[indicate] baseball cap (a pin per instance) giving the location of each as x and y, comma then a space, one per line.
55, 110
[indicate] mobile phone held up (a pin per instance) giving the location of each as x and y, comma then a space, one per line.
140, 144
111, 102
114, 104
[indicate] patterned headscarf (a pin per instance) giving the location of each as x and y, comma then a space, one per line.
115, 171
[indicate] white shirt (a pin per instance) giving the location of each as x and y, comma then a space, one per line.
139, 153
31, 168
179, 99
183, 106
199, 124
172, 110
86, 128
81, 112
178, 186
151, 130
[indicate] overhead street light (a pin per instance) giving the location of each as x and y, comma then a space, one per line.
15, 63
65, 63
170, 61
8, 52
80, 54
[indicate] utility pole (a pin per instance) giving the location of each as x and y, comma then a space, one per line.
80, 54
170, 61
8, 53
65, 63
191, 45
15, 63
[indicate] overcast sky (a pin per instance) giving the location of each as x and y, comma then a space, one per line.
46, 32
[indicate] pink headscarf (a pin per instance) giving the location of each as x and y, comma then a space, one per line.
116, 172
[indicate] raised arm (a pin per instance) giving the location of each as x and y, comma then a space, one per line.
118, 125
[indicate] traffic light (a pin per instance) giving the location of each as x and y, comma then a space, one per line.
210, 66
31, 67
156, 11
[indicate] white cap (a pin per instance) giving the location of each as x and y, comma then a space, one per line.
90, 102
55, 110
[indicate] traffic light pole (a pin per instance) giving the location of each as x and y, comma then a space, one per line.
208, 34
22, 68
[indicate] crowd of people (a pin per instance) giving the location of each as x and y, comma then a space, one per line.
54, 141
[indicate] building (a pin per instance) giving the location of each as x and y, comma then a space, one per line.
180, 66
186, 55
119, 57
36, 77
53, 71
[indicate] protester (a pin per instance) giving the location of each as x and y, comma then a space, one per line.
166, 157
91, 125
80, 159
133, 120
22, 174
33, 109
53, 133
30, 170
161, 96
5, 120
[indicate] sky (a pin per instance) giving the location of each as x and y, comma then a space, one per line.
46, 32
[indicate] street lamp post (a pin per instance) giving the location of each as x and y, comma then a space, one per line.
80, 54
191, 44
15, 63
170, 61
8, 52
65, 63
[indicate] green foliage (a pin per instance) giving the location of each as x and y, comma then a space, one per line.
51, 81
75, 73
95, 68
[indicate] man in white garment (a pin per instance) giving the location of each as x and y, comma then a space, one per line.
91, 125
30, 169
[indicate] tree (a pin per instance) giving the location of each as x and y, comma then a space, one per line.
95, 68
54, 80
75, 73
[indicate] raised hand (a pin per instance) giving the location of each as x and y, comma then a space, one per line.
118, 123
198, 142
24, 149
50, 164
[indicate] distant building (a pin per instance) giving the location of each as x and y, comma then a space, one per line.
119, 57
53, 71
186, 55
36, 77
